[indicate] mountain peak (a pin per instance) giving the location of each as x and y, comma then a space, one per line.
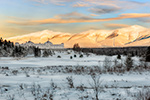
90, 38
137, 27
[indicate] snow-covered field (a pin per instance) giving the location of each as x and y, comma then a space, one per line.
32, 78
86, 60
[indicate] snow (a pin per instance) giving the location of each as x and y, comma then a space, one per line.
113, 85
30, 61
95, 37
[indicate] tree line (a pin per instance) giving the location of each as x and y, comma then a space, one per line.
8, 49
141, 51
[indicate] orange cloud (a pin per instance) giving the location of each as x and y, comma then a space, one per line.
79, 20
81, 4
94, 15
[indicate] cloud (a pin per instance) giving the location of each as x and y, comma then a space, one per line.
79, 20
94, 15
72, 15
112, 25
56, 2
145, 20
103, 9
97, 6
60, 2
40, 1
123, 4
81, 4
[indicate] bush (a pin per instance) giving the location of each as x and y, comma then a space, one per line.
58, 56
45, 53
81, 56
119, 57
144, 94
41, 94
70, 81
80, 87
107, 63
15, 72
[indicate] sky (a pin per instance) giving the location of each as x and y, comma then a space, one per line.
19, 17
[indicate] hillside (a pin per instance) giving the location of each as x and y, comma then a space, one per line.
129, 36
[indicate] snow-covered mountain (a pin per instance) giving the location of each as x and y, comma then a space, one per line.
129, 36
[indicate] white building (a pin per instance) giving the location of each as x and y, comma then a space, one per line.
46, 45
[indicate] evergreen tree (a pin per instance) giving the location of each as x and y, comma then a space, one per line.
70, 57
45, 53
118, 57
5, 42
148, 55
76, 47
37, 52
81, 56
1, 42
129, 62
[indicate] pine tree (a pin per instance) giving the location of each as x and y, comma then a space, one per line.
37, 52
129, 62
45, 53
1, 42
76, 47
118, 57
148, 55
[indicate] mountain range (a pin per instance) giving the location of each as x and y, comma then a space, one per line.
129, 36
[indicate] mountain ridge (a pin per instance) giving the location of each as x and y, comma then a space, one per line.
127, 36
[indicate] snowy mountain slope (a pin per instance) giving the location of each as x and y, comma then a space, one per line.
129, 36
41, 36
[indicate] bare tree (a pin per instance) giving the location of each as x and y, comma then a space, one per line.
96, 84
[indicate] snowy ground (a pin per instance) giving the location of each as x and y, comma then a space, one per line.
25, 79
30, 61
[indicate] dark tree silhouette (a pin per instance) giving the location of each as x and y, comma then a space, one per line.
45, 53
37, 52
129, 62
148, 55
1, 42
76, 47
118, 57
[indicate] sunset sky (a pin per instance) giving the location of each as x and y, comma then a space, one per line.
18, 17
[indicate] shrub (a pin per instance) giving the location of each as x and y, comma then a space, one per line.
107, 63
45, 53
143, 94
15, 72
81, 87
75, 56
118, 57
81, 56
58, 56
70, 81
